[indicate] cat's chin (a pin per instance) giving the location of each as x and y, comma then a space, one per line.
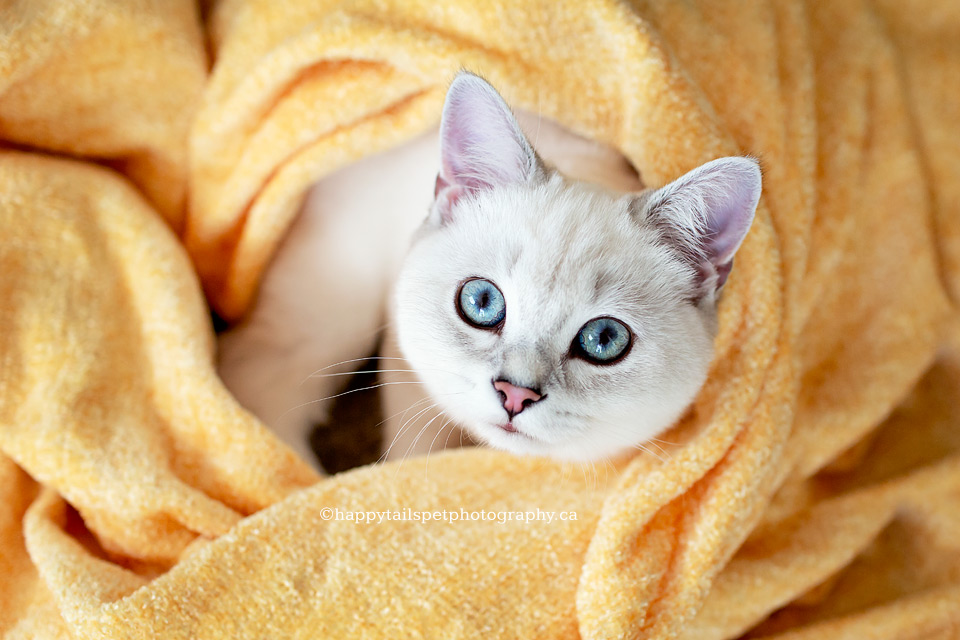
515, 440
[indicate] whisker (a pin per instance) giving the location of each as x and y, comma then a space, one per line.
344, 393
402, 411
343, 362
613, 469
651, 452
404, 427
439, 431
420, 434
353, 373
623, 429
406, 454
426, 465
450, 433
661, 449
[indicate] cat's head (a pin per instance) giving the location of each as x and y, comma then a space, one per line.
551, 317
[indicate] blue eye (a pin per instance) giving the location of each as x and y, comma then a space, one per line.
481, 304
602, 341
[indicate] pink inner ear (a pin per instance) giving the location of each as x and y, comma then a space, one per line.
445, 196
723, 270
439, 186
727, 191
481, 145
730, 206
709, 211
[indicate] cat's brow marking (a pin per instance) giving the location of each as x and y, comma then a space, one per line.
513, 260
604, 281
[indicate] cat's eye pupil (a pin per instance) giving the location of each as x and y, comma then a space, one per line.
602, 341
481, 304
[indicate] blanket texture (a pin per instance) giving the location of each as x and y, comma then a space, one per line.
811, 492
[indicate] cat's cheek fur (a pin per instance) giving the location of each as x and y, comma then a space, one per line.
432, 342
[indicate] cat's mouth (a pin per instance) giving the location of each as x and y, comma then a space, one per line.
507, 436
511, 432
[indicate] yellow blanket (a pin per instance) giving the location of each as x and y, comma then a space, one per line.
813, 491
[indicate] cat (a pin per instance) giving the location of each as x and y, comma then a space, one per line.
546, 315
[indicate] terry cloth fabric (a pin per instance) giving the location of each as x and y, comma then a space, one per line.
811, 492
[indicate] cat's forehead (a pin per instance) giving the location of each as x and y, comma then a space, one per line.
562, 256
559, 235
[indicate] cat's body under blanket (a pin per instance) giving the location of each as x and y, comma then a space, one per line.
323, 303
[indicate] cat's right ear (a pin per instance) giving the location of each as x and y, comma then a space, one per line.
481, 145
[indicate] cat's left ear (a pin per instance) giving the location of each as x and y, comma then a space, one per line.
481, 144
706, 214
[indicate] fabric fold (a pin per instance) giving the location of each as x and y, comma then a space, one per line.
810, 491
115, 82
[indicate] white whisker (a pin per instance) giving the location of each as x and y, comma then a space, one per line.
402, 411
426, 465
403, 427
651, 452
344, 393
406, 454
343, 362
419, 435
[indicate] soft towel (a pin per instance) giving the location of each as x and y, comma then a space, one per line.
811, 492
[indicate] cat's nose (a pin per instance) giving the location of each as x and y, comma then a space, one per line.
515, 399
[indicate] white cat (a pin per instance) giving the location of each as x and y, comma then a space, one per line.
544, 315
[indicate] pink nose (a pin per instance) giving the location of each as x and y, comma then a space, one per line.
515, 399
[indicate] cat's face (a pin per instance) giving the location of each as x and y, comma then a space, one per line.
545, 264
551, 318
